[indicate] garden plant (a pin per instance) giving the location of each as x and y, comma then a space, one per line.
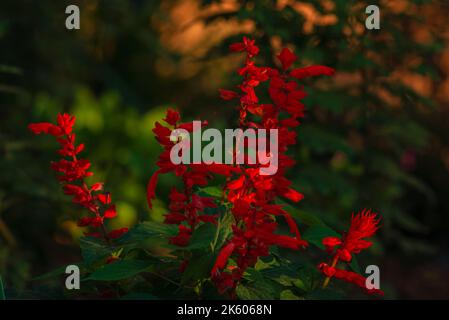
230, 230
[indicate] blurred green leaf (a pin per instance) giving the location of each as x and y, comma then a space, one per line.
93, 250
199, 267
315, 235
54, 273
148, 230
119, 270
202, 237
213, 191
289, 295
354, 265
2, 290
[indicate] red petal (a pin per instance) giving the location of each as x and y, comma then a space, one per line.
104, 198
311, 71
287, 242
45, 127
236, 184
286, 57
97, 186
223, 256
110, 212
293, 195
151, 188
117, 233
174, 218
331, 241
236, 47
172, 117
228, 94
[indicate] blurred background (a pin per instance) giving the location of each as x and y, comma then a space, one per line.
375, 135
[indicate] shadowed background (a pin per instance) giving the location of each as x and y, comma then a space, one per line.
375, 135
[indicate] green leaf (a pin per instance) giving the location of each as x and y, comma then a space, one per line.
288, 295
256, 291
198, 268
119, 270
278, 271
224, 230
354, 265
93, 250
315, 235
54, 273
148, 230
202, 237
213, 191
305, 217
308, 278
2, 290
259, 286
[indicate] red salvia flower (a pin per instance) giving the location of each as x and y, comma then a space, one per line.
363, 225
73, 172
349, 276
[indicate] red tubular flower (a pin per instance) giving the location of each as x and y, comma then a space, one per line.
349, 276
363, 225
311, 71
185, 206
72, 175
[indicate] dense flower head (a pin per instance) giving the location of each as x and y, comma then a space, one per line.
72, 174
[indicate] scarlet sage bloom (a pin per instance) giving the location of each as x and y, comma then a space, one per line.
248, 195
251, 195
363, 225
185, 206
73, 172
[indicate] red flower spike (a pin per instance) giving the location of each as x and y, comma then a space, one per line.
73, 172
363, 225
250, 195
311, 71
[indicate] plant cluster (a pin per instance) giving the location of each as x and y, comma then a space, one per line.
225, 224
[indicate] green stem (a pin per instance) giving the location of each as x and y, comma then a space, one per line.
2, 290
